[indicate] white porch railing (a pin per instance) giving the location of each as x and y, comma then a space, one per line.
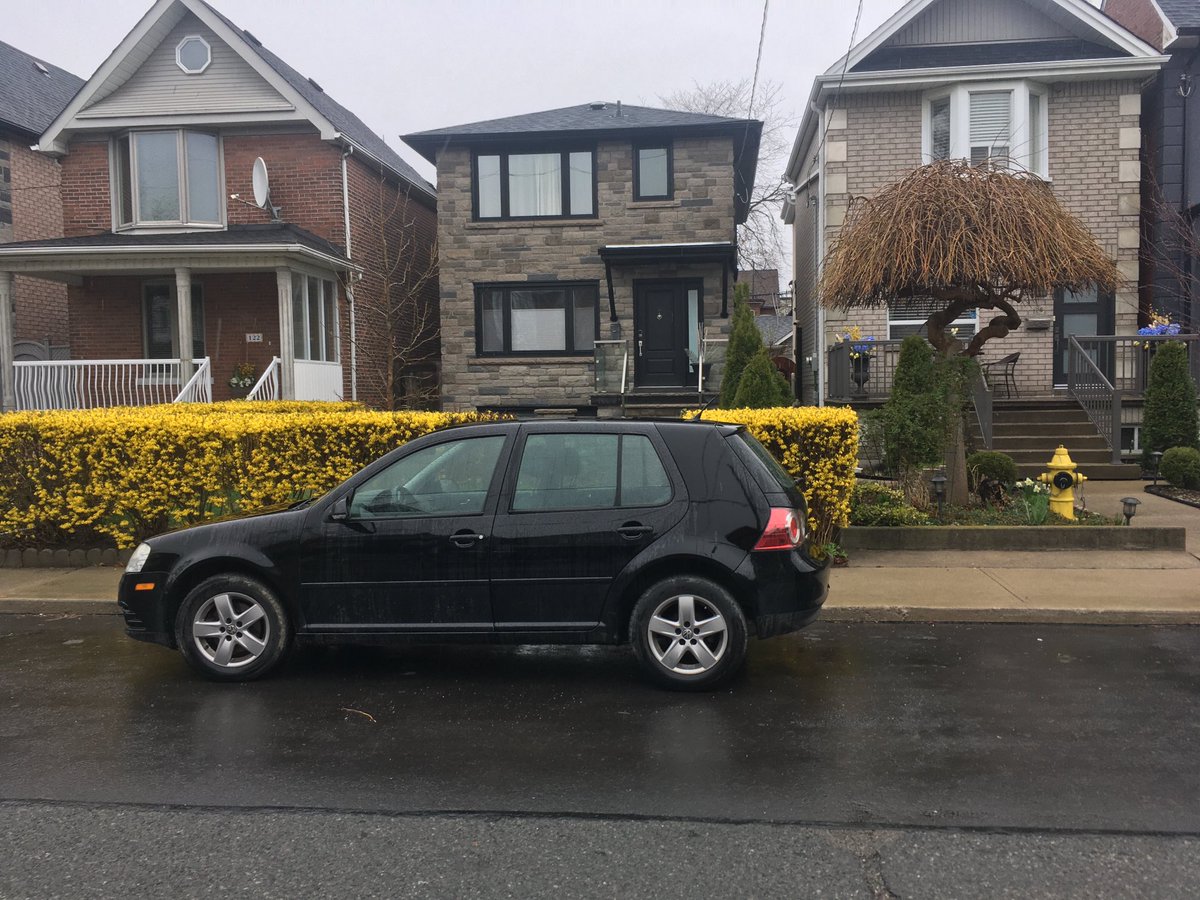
89, 383
199, 386
267, 387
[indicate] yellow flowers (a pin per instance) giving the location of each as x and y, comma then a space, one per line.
819, 448
114, 476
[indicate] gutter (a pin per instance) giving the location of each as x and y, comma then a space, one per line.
349, 282
34, 253
356, 147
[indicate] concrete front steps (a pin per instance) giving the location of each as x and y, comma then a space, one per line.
650, 403
1030, 430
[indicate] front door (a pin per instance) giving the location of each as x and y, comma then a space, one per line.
412, 552
1086, 313
660, 310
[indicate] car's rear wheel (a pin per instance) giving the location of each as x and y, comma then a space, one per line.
689, 633
232, 628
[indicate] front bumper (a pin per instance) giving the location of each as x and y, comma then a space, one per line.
145, 610
789, 590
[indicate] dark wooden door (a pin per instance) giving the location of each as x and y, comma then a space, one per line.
660, 311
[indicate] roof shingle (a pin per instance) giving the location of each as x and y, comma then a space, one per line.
1182, 13
29, 98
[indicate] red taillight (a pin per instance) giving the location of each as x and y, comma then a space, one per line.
784, 531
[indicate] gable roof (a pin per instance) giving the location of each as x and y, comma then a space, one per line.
309, 102
1183, 14
600, 119
30, 97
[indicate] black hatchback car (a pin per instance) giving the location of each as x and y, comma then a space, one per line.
682, 538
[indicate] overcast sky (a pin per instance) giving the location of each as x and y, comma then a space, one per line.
409, 65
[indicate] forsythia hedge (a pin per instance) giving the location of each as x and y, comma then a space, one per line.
819, 448
115, 476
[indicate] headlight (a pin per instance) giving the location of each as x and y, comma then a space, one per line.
140, 555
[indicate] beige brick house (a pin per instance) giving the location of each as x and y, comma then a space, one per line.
586, 254
1052, 87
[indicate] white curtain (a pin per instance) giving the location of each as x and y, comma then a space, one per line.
535, 184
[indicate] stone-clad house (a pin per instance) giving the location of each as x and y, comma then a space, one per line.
586, 249
1051, 87
174, 275
32, 93
1170, 277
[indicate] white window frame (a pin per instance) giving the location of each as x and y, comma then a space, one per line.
300, 324
116, 177
1022, 157
187, 39
967, 325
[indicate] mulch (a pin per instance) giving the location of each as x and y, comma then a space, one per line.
1178, 494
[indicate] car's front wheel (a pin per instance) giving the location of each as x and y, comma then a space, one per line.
689, 633
232, 628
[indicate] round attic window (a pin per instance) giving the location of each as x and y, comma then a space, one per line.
193, 54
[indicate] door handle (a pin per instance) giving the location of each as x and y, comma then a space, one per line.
465, 539
634, 530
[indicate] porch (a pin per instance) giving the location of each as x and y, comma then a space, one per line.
1106, 379
251, 311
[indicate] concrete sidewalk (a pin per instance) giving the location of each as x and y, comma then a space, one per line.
1128, 587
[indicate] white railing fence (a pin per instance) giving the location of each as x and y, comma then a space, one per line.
199, 386
267, 387
89, 383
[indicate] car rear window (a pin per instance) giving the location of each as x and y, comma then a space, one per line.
770, 475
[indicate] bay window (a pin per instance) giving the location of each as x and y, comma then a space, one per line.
1002, 123
167, 178
553, 320
539, 185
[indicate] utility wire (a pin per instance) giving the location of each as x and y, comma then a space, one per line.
842, 78
762, 33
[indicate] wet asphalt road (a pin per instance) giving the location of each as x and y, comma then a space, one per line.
849, 759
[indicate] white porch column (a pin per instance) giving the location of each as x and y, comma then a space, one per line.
287, 354
8, 396
183, 300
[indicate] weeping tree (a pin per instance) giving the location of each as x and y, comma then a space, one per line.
966, 237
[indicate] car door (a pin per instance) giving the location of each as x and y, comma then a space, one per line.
408, 550
579, 503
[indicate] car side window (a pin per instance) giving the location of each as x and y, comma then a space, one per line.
449, 479
580, 471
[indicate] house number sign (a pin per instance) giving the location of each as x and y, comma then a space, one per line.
254, 337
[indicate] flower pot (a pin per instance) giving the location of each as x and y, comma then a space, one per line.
860, 374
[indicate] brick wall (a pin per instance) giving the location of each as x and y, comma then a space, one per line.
30, 210
87, 197
1094, 169
479, 252
393, 239
1140, 17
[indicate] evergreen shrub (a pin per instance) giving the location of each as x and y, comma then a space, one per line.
1180, 466
1170, 418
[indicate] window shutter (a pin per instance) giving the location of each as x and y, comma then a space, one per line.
991, 125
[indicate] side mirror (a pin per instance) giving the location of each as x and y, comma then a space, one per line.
341, 510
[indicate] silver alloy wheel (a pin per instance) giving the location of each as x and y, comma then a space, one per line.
687, 634
231, 630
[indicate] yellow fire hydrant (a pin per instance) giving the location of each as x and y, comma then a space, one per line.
1062, 479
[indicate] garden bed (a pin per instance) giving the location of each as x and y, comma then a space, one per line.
1022, 538
1179, 495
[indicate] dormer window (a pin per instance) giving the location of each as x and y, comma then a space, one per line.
193, 54
1003, 123
165, 178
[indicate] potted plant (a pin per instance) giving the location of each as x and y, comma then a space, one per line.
243, 378
861, 350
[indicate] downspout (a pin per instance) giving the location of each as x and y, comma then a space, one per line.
820, 267
350, 279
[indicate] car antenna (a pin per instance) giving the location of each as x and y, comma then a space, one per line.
705, 408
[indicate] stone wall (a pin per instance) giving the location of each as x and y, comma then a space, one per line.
473, 253
1094, 142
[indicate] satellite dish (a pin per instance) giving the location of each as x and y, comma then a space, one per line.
262, 188
262, 184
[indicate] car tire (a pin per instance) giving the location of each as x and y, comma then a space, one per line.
232, 628
672, 649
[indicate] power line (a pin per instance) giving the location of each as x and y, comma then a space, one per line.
842, 78
762, 33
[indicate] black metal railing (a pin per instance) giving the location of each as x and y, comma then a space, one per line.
865, 377
981, 400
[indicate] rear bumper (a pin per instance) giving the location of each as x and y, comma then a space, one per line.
789, 591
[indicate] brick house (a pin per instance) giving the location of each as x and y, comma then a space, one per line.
1170, 282
32, 93
586, 254
168, 262
1052, 87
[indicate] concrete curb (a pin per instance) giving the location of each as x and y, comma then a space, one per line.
47, 607
1025, 538
1029, 616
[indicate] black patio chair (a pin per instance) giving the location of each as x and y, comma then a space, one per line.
1003, 371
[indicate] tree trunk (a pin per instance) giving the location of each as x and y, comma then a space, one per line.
957, 491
